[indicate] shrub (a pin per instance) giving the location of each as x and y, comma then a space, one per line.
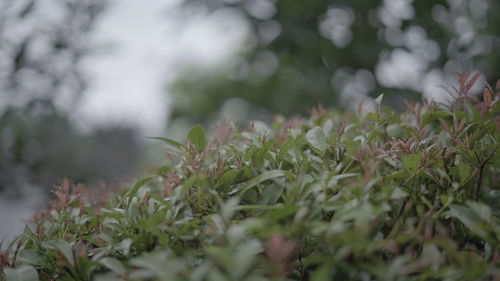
368, 196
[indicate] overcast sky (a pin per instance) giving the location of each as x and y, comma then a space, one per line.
146, 46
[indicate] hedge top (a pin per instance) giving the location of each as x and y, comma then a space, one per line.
369, 196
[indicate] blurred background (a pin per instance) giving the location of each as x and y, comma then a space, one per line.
83, 82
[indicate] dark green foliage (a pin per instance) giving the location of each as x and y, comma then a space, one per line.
300, 65
39, 145
371, 195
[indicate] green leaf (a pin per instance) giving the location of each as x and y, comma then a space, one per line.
30, 256
289, 144
261, 128
412, 162
63, 247
27, 232
258, 207
483, 211
379, 99
158, 264
464, 172
216, 275
271, 194
229, 207
133, 191
335, 179
104, 277
317, 139
124, 246
468, 218
228, 178
170, 142
259, 179
394, 130
244, 256
114, 265
23, 273
197, 137
398, 193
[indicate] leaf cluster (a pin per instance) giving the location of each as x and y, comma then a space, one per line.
372, 195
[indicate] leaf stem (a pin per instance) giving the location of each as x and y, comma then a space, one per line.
481, 170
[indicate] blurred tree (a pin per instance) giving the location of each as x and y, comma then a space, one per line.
42, 45
301, 53
39, 149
